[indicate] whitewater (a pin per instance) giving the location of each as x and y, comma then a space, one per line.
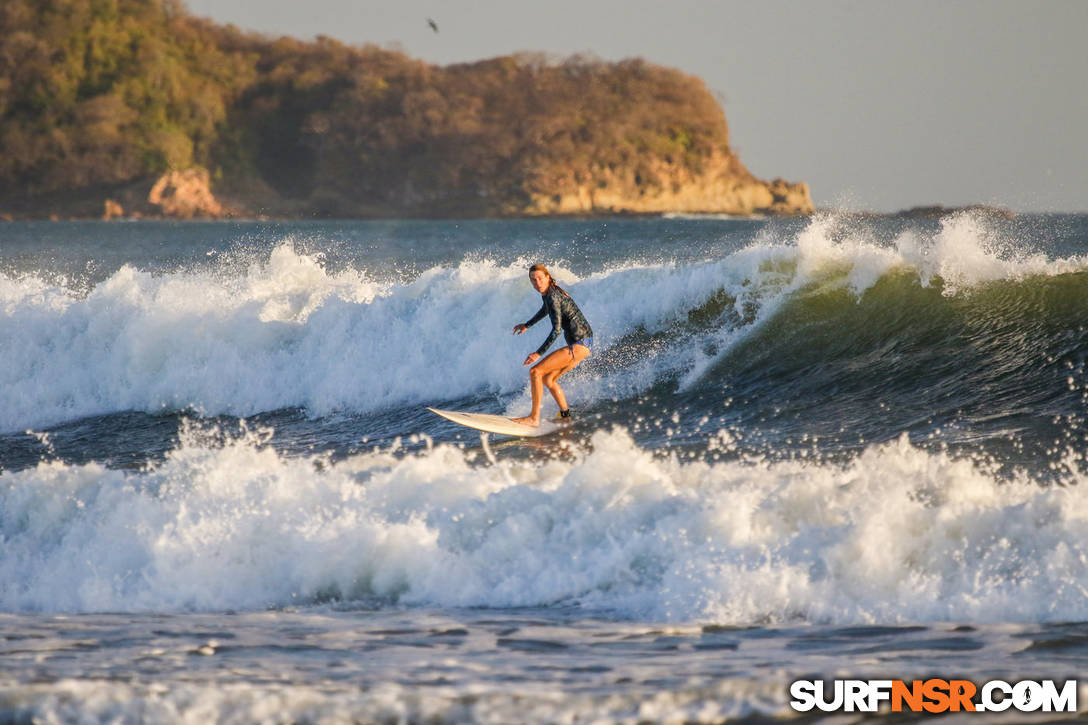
802, 447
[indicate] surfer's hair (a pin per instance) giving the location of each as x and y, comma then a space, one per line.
551, 279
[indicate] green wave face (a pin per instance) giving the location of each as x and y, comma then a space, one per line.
1003, 361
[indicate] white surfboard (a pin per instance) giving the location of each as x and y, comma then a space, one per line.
498, 423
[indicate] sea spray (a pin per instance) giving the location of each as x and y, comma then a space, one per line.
898, 534
799, 446
255, 336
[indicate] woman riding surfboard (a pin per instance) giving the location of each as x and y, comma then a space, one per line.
566, 318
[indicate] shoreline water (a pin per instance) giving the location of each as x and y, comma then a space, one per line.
477, 666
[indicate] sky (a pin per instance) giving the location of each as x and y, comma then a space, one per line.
877, 105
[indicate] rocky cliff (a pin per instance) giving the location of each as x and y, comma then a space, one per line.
722, 187
254, 126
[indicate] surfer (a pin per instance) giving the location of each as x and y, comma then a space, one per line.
566, 318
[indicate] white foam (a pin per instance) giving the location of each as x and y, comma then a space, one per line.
333, 702
965, 253
896, 535
247, 338
287, 333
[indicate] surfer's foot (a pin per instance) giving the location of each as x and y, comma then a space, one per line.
564, 414
534, 422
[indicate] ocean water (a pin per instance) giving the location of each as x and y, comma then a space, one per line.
837, 447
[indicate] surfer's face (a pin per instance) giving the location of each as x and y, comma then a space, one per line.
540, 281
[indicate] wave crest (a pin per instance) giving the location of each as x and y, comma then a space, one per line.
247, 337
897, 535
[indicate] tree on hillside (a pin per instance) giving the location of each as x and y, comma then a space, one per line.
102, 91
99, 92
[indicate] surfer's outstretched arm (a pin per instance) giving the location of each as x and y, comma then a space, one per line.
522, 327
532, 320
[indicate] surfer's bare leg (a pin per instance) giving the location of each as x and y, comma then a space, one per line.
546, 373
574, 355
536, 386
550, 382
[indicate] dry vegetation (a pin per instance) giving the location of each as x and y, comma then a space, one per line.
101, 92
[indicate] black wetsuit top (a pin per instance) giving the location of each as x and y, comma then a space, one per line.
565, 316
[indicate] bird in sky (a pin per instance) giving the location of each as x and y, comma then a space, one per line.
433, 24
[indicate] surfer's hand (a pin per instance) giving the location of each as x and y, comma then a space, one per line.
518, 329
533, 357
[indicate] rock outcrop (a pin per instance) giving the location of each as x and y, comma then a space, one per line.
299, 129
725, 186
937, 211
186, 195
112, 210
